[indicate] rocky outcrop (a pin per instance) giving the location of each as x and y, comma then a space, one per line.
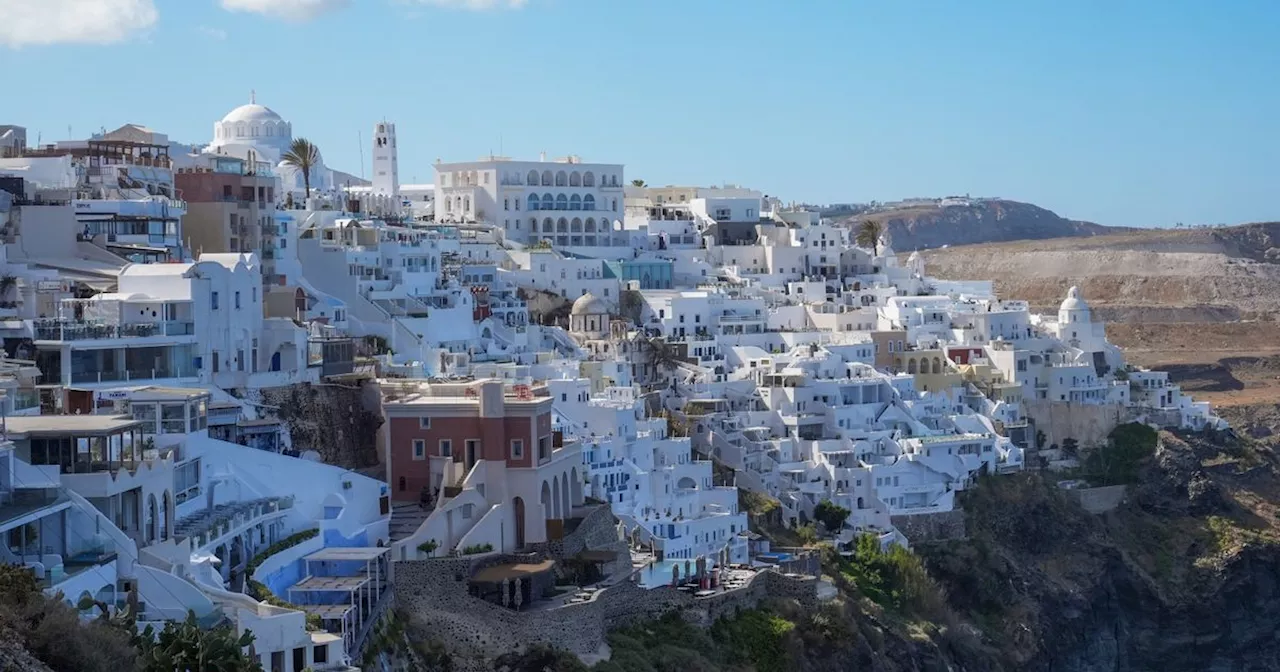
979, 222
1160, 584
340, 422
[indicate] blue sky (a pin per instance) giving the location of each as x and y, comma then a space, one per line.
1126, 113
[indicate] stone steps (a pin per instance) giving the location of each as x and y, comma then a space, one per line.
405, 520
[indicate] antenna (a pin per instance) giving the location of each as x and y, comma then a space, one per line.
360, 142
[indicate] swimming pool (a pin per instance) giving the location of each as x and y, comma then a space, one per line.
775, 558
659, 573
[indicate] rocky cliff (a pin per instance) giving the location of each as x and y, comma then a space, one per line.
921, 228
1183, 576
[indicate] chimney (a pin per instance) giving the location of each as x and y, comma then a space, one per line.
542, 157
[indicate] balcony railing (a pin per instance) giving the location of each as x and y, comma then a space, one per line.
68, 330
134, 374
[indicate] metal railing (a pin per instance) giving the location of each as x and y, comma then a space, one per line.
69, 330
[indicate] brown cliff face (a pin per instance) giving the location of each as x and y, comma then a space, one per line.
980, 222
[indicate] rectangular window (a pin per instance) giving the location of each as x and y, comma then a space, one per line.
517, 449
237, 300
446, 448
320, 654
424, 423
214, 300
419, 449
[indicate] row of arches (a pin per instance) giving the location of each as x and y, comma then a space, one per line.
563, 225
925, 365
568, 179
242, 129
561, 202
157, 522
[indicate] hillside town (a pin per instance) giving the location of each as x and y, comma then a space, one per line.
577, 379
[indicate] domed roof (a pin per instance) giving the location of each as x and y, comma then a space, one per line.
1074, 301
588, 304
252, 112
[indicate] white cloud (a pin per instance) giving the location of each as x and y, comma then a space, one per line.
41, 22
290, 10
473, 5
213, 33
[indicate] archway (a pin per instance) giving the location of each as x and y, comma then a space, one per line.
597, 489
566, 506
860, 504
911, 366
575, 487
152, 521
166, 516
555, 499
545, 500
517, 508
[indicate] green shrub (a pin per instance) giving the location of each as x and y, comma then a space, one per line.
831, 515
756, 637
1117, 462
259, 591
429, 546
475, 549
894, 578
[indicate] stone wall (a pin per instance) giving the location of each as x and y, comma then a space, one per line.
1099, 500
434, 593
931, 526
1088, 424
335, 420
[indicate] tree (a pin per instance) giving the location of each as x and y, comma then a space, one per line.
304, 156
869, 232
831, 515
637, 183
187, 646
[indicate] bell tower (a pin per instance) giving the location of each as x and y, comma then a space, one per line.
386, 172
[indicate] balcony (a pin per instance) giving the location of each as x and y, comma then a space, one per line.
73, 330
127, 375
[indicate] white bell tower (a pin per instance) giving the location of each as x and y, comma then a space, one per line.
386, 172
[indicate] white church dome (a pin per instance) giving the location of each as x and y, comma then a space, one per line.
1073, 301
252, 113
588, 304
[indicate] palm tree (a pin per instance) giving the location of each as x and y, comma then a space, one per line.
303, 155
868, 235
637, 183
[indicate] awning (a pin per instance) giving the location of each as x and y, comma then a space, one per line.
499, 573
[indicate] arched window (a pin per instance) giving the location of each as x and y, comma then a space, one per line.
448, 204
466, 204
562, 203
575, 180
937, 365
562, 180
562, 225
575, 226
911, 366
546, 178
614, 203
588, 201
548, 202
613, 180
547, 226
533, 178
591, 225
588, 179
533, 225
575, 203
506, 204
533, 201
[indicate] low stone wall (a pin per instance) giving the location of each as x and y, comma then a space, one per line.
1099, 500
434, 593
924, 527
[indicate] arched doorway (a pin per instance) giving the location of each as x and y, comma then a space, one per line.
166, 516
152, 521
517, 508
575, 487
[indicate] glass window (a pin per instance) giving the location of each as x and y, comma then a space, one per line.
173, 418
147, 414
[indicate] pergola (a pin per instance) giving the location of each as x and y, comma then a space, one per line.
358, 573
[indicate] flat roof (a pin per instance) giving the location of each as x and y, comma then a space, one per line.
161, 393
331, 584
338, 554
62, 425
497, 573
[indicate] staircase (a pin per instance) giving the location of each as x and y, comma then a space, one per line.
406, 517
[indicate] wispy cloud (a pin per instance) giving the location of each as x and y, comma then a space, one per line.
471, 5
213, 33
289, 10
43, 22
